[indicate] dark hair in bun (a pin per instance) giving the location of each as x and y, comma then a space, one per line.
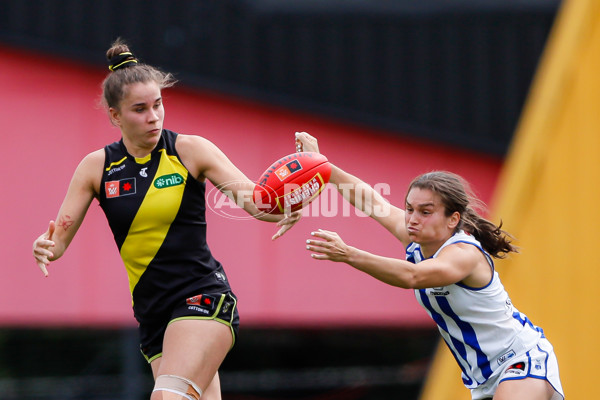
126, 69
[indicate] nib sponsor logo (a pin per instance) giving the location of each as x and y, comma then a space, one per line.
166, 181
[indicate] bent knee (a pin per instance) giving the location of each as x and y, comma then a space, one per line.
176, 388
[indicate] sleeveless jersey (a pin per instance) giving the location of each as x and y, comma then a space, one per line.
481, 326
156, 211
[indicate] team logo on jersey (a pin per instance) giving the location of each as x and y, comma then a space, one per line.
288, 169
220, 276
166, 181
123, 187
226, 306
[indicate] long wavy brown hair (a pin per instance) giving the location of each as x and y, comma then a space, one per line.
457, 196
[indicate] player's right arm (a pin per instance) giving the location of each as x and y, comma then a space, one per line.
361, 195
84, 186
368, 200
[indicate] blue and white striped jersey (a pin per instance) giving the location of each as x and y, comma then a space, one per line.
481, 326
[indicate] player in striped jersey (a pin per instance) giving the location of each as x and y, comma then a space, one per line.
449, 264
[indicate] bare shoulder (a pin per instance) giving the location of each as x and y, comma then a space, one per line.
197, 153
93, 163
191, 141
89, 170
95, 158
471, 260
191, 147
464, 252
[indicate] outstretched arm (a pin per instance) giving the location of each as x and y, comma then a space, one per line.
205, 160
455, 263
84, 185
360, 194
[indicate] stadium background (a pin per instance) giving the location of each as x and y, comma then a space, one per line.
391, 89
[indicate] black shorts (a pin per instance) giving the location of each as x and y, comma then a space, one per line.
221, 307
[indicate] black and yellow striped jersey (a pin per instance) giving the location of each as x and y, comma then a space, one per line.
156, 211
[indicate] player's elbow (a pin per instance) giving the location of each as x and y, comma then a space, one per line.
409, 282
403, 280
412, 278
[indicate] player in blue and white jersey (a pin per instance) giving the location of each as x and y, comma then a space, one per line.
449, 264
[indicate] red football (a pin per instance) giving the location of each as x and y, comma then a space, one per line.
292, 182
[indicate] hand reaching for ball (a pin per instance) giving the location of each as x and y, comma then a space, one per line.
306, 142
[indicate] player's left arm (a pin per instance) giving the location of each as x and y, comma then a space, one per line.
206, 161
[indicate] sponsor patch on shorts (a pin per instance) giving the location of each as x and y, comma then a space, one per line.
203, 303
516, 370
506, 356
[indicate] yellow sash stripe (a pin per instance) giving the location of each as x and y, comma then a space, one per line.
152, 221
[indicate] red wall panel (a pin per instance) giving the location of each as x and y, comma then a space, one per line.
51, 121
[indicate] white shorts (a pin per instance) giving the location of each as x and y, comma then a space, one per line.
539, 363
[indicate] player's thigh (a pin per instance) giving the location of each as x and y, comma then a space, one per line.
527, 388
213, 391
155, 365
194, 349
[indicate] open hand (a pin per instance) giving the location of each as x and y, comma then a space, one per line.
286, 223
331, 247
41, 248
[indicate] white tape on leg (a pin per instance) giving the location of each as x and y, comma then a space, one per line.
178, 385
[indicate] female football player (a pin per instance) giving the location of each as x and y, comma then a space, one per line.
151, 185
449, 264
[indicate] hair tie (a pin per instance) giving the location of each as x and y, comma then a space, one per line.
123, 60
